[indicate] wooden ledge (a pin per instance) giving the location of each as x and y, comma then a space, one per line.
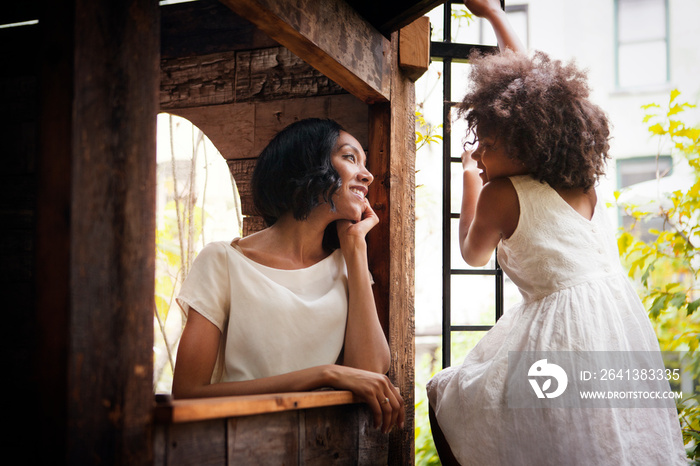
177, 411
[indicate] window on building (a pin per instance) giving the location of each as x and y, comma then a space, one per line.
641, 43
637, 178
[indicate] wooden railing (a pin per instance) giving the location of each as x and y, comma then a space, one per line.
326, 427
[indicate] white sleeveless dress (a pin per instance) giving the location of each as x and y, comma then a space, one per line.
576, 297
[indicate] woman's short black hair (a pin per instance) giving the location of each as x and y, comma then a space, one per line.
294, 172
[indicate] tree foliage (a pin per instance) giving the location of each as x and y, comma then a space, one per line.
665, 267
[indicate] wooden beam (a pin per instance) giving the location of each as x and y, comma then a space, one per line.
391, 15
414, 48
269, 74
205, 27
331, 37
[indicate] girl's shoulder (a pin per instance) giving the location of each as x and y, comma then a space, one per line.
500, 204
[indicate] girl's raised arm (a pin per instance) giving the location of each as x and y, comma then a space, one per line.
491, 11
489, 213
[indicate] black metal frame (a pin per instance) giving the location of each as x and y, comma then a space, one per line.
449, 52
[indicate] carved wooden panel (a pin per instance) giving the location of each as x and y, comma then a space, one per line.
274, 73
240, 76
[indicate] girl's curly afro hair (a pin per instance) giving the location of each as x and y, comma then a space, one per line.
539, 108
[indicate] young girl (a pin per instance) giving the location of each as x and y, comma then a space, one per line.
290, 308
529, 191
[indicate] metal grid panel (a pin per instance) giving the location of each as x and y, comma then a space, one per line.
447, 52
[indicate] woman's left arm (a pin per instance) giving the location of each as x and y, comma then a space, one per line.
365, 345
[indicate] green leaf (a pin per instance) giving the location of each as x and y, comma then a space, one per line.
657, 306
693, 306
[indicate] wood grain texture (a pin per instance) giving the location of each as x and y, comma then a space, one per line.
276, 73
391, 15
205, 27
112, 232
243, 76
354, 55
199, 80
197, 443
265, 439
339, 434
414, 48
178, 411
391, 245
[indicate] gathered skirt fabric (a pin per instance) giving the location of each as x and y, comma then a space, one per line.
470, 403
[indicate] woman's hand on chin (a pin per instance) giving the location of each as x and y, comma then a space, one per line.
349, 230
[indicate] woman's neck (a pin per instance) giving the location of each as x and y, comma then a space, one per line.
288, 244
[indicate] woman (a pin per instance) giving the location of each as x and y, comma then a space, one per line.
290, 308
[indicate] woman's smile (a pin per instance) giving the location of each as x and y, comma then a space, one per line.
359, 191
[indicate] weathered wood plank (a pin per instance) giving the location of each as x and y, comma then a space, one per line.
242, 171
105, 225
178, 411
271, 117
199, 80
51, 281
247, 76
392, 160
337, 435
251, 224
229, 127
242, 130
391, 15
330, 436
205, 27
264, 439
373, 445
355, 55
414, 48
202, 443
276, 73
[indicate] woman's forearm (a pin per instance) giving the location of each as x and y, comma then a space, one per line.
365, 344
297, 381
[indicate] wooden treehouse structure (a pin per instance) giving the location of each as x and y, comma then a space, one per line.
80, 92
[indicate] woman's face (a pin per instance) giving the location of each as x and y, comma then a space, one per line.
349, 161
492, 158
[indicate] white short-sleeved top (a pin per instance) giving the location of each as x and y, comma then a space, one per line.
272, 321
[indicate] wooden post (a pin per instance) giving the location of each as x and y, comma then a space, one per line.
391, 244
97, 168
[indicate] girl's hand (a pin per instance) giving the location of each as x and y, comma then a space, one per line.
376, 390
471, 169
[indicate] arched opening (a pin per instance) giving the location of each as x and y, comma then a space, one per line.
197, 202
